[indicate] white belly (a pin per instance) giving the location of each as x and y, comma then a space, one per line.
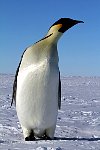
37, 96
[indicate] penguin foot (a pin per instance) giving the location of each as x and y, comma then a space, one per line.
30, 138
45, 137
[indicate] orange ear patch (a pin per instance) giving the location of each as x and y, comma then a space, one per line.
59, 26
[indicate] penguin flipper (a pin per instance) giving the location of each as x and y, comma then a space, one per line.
14, 87
15, 81
59, 92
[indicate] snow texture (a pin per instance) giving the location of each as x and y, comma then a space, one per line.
78, 123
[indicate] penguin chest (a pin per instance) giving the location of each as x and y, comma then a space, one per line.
37, 95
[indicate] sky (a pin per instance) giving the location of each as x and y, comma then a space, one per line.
23, 22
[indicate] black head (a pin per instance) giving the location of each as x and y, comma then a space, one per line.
66, 23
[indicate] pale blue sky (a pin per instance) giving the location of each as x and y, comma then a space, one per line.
23, 22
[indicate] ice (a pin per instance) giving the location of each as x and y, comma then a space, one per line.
78, 123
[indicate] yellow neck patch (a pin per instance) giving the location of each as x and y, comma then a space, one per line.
58, 26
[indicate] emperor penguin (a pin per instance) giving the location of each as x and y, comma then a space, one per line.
37, 84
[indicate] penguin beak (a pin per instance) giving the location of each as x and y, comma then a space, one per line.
77, 21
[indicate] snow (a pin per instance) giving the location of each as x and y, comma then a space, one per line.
78, 123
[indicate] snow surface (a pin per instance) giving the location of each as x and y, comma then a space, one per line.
78, 124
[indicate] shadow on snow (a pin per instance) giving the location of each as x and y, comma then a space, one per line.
77, 139
73, 139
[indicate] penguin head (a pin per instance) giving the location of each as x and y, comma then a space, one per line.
60, 26
64, 24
